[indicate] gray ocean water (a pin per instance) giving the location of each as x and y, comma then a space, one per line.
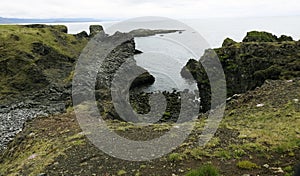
215, 30
168, 59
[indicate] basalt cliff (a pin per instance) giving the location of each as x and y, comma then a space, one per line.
247, 64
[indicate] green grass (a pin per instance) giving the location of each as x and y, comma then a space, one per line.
173, 157
23, 67
223, 154
121, 172
205, 170
248, 165
198, 152
289, 171
38, 154
277, 128
50, 36
35, 149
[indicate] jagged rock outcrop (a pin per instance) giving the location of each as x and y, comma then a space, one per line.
257, 36
96, 29
37, 67
121, 54
82, 34
143, 80
248, 64
228, 42
283, 38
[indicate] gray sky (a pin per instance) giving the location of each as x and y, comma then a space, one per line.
121, 9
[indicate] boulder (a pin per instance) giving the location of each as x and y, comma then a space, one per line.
81, 35
284, 38
143, 80
256, 36
95, 29
228, 42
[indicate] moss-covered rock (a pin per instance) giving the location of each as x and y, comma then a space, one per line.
248, 64
96, 29
228, 42
284, 38
256, 36
82, 34
36, 56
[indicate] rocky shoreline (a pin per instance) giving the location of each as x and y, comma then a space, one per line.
14, 117
44, 88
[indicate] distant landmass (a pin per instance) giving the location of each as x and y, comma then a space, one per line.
50, 20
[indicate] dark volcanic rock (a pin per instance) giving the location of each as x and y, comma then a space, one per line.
228, 42
143, 80
255, 36
40, 48
96, 29
117, 54
82, 34
297, 170
140, 102
120, 56
138, 52
12, 119
284, 38
248, 64
36, 26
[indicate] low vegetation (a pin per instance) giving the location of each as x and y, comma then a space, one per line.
32, 56
205, 170
247, 165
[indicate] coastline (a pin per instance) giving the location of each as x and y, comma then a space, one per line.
247, 134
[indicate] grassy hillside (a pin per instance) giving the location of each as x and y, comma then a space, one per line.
259, 135
35, 56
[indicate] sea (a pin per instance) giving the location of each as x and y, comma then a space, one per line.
164, 55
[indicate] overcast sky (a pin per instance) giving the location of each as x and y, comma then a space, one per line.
121, 9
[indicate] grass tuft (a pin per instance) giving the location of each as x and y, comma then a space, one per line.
205, 170
248, 165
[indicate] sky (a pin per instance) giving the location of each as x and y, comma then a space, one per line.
123, 9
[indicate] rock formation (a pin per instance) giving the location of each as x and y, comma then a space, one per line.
248, 64
36, 70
